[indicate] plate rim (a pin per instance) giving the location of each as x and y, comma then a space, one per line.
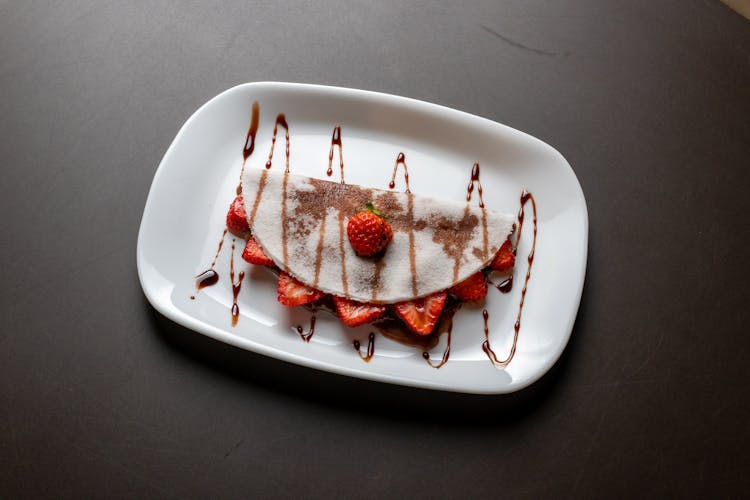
165, 307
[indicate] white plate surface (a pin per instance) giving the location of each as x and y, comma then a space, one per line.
195, 183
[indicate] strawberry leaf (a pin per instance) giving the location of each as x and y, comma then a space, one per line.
371, 208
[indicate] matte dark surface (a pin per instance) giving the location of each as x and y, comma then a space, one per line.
101, 397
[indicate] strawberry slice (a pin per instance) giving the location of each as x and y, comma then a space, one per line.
505, 258
420, 315
254, 254
353, 313
237, 218
292, 292
472, 288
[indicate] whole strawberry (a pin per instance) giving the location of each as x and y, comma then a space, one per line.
369, 232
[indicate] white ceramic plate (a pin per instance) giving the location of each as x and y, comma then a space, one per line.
195, 183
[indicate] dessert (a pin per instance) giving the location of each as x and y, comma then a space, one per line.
436, 244
400, 262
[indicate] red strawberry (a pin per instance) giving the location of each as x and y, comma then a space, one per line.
472, 288
294, 293
254, 254
368, 232
354, 313
420, 315
237, 218
505, 258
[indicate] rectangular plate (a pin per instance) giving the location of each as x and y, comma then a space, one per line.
184, 218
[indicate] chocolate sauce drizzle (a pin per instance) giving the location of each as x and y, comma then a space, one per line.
475, 180
504, 286
319, 251
412, 249
249, 146
280, 120
525, 197
370, 348
446, 352
475, 171
336, 141
284, 230
210, 277
400, 160
307, 335
342, 252
236, 287
444, 324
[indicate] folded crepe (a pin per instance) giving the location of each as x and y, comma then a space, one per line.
300, 222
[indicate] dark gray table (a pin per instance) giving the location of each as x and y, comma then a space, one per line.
102, 397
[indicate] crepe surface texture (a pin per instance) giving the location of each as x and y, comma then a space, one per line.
301, 224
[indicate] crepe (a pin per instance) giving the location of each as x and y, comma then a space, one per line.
300, 222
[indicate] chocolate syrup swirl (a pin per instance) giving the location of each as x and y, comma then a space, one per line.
280, 120
336, 141
370, 348
525, 197
400, 160
307, 335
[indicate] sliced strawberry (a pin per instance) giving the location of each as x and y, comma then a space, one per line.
505, 258
295, 293
472, 288
237, 218
254, 254
354, 313
420, 315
